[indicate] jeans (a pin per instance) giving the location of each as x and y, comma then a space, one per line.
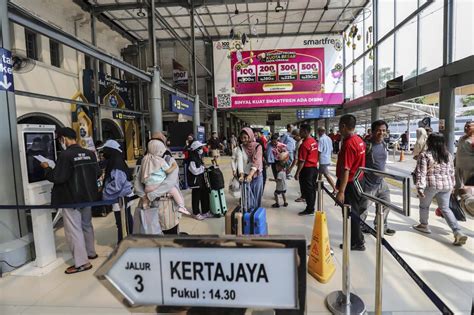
256, 185
382, 192
442, 196
307, 181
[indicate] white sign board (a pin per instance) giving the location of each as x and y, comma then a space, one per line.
208, 277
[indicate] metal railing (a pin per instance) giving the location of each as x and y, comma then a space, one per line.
380, 206
343, 301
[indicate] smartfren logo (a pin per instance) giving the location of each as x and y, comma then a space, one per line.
322, 41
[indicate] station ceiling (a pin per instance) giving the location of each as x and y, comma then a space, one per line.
215, 18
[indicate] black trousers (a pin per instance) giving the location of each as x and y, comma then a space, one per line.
352, 198
200, 195
264, 174
173, 230
307, 181
118, 222
274, 170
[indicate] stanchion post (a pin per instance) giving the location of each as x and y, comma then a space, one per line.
320, 195
379, 259
345, 302
123, 216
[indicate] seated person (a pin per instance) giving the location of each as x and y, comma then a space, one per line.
154, 171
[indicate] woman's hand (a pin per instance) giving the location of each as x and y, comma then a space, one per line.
241, 178
421, 193
249, 178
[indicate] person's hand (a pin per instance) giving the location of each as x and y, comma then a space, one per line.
421, 194
340, 197
248, 179
297, 176
234, 173
241, 178
44, 164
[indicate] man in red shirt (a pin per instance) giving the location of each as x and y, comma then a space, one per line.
350, 158
307, 171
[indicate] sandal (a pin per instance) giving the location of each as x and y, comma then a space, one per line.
93, 257
74, 269
285, 204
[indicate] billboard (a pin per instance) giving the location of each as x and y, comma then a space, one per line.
279, 72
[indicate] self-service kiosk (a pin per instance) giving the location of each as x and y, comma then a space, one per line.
37, 143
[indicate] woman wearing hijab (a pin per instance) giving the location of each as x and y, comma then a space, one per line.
117, 182
200, 192
252, 156
153, 173
420, 145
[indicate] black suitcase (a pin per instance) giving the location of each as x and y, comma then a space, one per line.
215, 177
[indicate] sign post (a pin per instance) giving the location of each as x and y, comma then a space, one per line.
153, 273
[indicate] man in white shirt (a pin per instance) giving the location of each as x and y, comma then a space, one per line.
325, 151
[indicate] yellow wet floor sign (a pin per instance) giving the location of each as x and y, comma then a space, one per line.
320, 262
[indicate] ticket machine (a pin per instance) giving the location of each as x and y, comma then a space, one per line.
37, 142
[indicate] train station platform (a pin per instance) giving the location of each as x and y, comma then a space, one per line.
447, 269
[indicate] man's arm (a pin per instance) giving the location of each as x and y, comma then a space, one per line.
60, 174
342, 186
298, 171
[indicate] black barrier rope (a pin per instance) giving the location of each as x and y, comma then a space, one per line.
434, 298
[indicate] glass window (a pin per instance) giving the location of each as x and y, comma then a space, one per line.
431, 37
463, 44
359, 78
31, 39
55, 53
385, 62
358, 41
403, 9
405, 55
368, 73
348, 53
385, 17
368, 29
348, 83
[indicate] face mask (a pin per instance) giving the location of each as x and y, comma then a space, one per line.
200, 151
63, 145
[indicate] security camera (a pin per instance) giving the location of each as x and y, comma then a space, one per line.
279, 7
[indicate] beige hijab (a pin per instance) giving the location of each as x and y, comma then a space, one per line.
153, 160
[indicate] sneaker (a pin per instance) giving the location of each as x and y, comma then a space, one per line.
389, 232
304, 212
364, 229
459, 239
199, 217
422, 228
300, 199
360, 247
208, 215
275, 205
285, 204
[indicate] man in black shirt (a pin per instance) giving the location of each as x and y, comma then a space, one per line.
75, 181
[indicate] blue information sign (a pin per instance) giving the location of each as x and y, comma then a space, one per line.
6, 70
315, 113
181, 105
201, 134
328, 112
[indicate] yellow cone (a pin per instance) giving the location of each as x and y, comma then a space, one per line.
320, 263
402, 156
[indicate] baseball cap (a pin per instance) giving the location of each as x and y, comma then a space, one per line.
196, 145
66, 132
112, 144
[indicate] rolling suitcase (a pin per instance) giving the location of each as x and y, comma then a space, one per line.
217, 202
234, 217
255, 222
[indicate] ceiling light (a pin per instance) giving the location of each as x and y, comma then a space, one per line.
279, 7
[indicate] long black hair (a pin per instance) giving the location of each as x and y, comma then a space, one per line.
115, 160
437, 146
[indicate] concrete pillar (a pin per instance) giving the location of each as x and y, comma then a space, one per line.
215, 126
11, 188
156, 116
447, 111
375, 113
196, 114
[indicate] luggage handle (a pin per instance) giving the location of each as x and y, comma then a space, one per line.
243, 198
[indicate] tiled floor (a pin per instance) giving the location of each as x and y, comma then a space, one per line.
448, 270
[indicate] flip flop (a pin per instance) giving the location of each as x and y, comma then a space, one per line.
93, 257
74, 269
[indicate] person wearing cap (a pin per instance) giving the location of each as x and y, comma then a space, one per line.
325, 152
200, 193
117, 182
75, 181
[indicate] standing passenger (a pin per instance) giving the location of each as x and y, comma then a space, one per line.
200, 192
253, 164
325, 153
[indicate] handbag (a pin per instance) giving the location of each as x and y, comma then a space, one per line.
456, 208
150, 221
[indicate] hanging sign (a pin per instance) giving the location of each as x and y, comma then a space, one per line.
6, 70
201, 134
181, 105
208, 272
123, 116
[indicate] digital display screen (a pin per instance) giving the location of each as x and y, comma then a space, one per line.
38, 143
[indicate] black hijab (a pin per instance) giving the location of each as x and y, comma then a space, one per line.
115, 161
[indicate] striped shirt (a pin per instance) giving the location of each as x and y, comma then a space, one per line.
430, 173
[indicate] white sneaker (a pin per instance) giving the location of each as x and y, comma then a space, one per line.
199, 217
459, 239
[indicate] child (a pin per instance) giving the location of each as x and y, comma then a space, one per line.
280, 185
154, 170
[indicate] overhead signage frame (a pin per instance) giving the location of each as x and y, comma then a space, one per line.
209, 274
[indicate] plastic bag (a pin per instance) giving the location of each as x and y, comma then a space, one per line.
455, 207
150, 221
234, 188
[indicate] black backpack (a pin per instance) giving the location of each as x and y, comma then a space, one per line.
216, 178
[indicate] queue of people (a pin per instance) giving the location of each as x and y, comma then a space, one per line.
156, 176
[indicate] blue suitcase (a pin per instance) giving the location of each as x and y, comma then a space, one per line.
255, 222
